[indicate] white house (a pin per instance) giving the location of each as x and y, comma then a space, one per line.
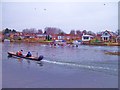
86, 37
107, 36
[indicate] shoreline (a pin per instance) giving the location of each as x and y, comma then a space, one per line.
72, 45
113, 53
52, 42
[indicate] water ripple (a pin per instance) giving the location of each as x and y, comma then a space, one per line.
80, 65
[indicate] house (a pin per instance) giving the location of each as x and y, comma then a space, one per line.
66, 37
58, 37
28, 35
108, 36
87, 38
1, 36
118, 39
41, 36
15, 35
12, 35
61, 37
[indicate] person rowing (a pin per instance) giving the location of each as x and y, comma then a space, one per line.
19, 53
28, 54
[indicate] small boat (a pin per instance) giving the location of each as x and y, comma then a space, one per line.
10, 54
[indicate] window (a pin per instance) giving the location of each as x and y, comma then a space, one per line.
105, 38
86, 37
106, 33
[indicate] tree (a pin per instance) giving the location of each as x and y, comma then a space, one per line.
40, 31
61, 33
6, 31
118, 32
72, 32
25, 30
14, 31
45, 32
78, 32
90, 33
84, 31
52, 30
31, 30
48, 37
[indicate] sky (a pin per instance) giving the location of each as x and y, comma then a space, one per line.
90, 16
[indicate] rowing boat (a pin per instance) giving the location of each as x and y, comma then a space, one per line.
10, 54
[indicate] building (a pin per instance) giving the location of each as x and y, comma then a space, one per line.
66, 37
118, 39
87, 38
108, 36
1, 36
41, 36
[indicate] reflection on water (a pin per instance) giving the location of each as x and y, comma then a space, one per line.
40, 63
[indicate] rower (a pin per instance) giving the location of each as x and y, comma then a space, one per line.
28, 54
19, 53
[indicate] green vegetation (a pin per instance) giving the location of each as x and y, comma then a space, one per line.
8, 31
48, 37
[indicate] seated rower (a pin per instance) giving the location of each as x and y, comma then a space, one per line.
19, 53
28, 54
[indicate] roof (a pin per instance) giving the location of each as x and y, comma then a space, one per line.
110, 33
88, 35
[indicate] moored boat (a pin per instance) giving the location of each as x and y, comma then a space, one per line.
10, 54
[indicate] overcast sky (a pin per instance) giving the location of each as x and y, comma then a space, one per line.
90, 16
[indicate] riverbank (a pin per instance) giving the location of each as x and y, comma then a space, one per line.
32, 40
113, 53
103, 44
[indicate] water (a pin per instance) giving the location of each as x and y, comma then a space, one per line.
82, 67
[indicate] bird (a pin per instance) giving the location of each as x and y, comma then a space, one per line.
44, 9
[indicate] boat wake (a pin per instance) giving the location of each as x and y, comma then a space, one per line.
90, 67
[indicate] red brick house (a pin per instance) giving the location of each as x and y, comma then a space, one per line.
66, 37
41, 36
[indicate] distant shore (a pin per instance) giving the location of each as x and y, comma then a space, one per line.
113, 53
105, 44
68, 42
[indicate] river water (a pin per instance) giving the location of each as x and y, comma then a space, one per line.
62, 67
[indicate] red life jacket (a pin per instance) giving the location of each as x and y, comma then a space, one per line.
19, 53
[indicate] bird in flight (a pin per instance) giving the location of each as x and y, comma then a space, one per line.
44, 9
